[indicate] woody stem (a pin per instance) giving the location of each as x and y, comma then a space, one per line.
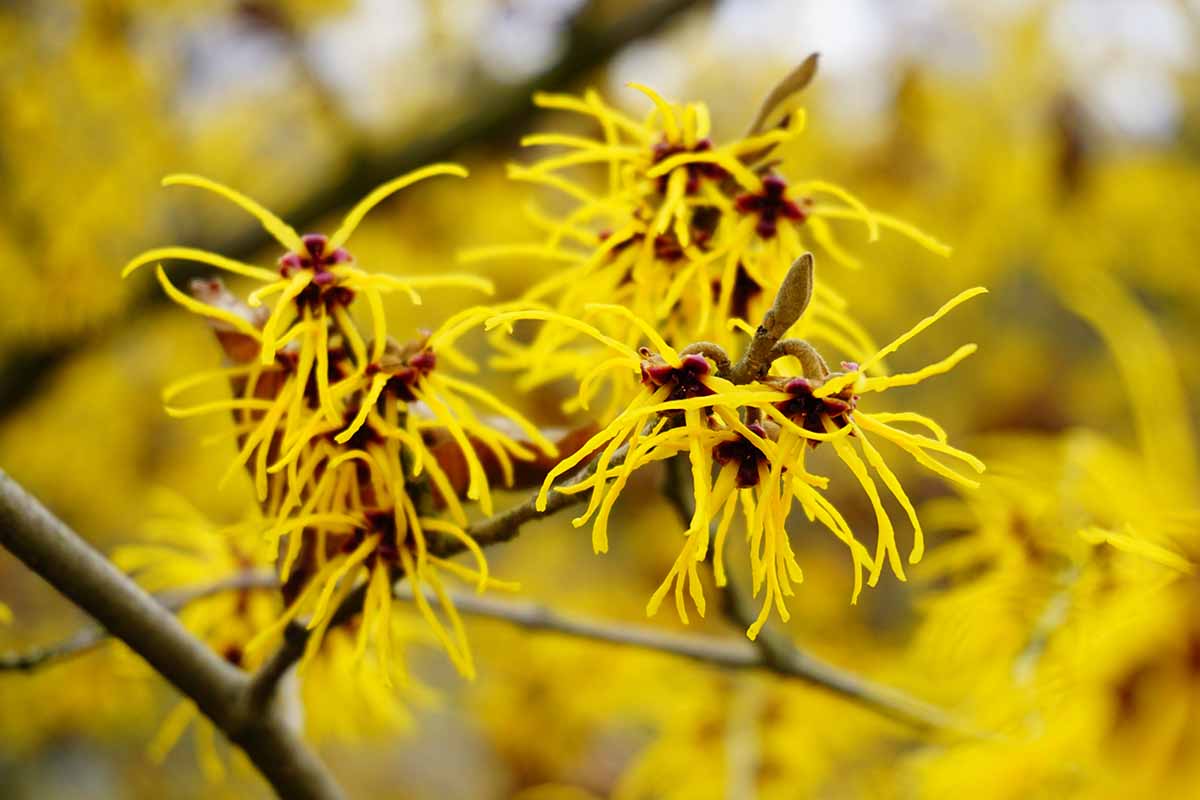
65, 561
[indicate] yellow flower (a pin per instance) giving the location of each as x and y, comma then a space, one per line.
410, 376
683, 406
315, 283
684, 384
348, 699
364, 498
829, 403
343, 433
688, 234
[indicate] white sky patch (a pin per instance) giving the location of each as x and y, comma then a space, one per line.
391, 59
1136, 101
224, 60
520, 38
1122, 59
372, 56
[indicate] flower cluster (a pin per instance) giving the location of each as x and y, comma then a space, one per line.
366, 452
363, 450
753, 437
690, 234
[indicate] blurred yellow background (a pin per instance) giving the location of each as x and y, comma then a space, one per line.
1055, 144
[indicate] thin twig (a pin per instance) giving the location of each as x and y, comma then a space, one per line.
88, 638
70, 565
723, 652
781, 655
496, 529
811, 362
265, 682
717, 651
712, 650
774, 651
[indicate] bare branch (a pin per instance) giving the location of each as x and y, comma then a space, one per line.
70, 565
264, 683
790, 303
723, 652
811, 361
779, 654
715, 651
87, 639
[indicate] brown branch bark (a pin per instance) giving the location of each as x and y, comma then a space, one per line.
773, 652
726, 653
70, 565
88, 638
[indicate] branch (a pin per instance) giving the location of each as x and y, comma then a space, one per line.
790, 303
779, 654
89, 638
70, 565
496, 113
713, 651
811, 362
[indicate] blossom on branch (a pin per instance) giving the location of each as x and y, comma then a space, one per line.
753, 438
363, 450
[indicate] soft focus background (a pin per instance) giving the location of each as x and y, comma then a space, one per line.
1054, 143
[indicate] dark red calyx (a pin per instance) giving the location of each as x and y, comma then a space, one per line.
705, 220
807, 410
324, 291
381, 522
745, 454
685, 380
314, 256
408, 373
667, 247
771, 205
